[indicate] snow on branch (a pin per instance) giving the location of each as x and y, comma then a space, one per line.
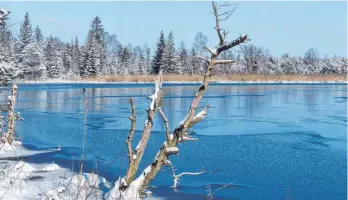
171, 150
241, 39
201, 115
186, 138
177, 177
224, 62
3, 15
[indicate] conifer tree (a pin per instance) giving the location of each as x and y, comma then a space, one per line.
158, 58
51, 58
169, 63
38, 35
26, 32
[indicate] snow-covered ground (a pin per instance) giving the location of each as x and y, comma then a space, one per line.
21, 180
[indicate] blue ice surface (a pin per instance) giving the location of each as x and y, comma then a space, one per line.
267, 141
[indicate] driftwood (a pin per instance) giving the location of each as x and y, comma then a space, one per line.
180, 133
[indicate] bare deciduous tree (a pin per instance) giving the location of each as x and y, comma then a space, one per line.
130, 188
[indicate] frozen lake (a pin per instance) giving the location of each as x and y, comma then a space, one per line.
275, 141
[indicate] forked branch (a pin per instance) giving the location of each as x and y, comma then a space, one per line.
176, 177
221, 17
180, 133
156, 100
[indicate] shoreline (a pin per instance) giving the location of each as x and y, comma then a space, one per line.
52, 82
197, 79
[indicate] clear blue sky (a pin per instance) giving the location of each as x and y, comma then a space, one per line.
281, 27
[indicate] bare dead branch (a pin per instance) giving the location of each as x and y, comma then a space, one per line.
179, 134
226, 4
217, 23
224, 62
131, 131
222, 17
187, 138
165, 123
201, 115
234, 43
177, 177
156, 100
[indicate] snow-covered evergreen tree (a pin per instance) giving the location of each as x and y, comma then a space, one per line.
158, 58
124, 60
8, 69
6, 43
169, 61
26, 32
67, 60
75, 56
32, 63
184, 62
95, 52
38, 36
52, 63
147, 52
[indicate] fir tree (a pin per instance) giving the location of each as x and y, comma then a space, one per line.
38, 35
26, 32
169, 64
184, 62
6, 43
158, 58
32, 63
51, 58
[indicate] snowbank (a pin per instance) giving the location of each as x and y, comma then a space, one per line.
22, 180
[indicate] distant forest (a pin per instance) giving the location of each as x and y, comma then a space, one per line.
31, 56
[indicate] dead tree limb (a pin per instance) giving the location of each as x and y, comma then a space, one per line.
126, 185
11, 114
224, 62
156, 100
189, 121
201, 115
165, 121
131, 132
176, 177
222, 17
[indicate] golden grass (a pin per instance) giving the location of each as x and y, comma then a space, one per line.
222, 78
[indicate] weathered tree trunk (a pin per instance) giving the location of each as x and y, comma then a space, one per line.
128, 188
11, 114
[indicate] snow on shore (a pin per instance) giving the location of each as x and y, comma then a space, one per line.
21, 180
